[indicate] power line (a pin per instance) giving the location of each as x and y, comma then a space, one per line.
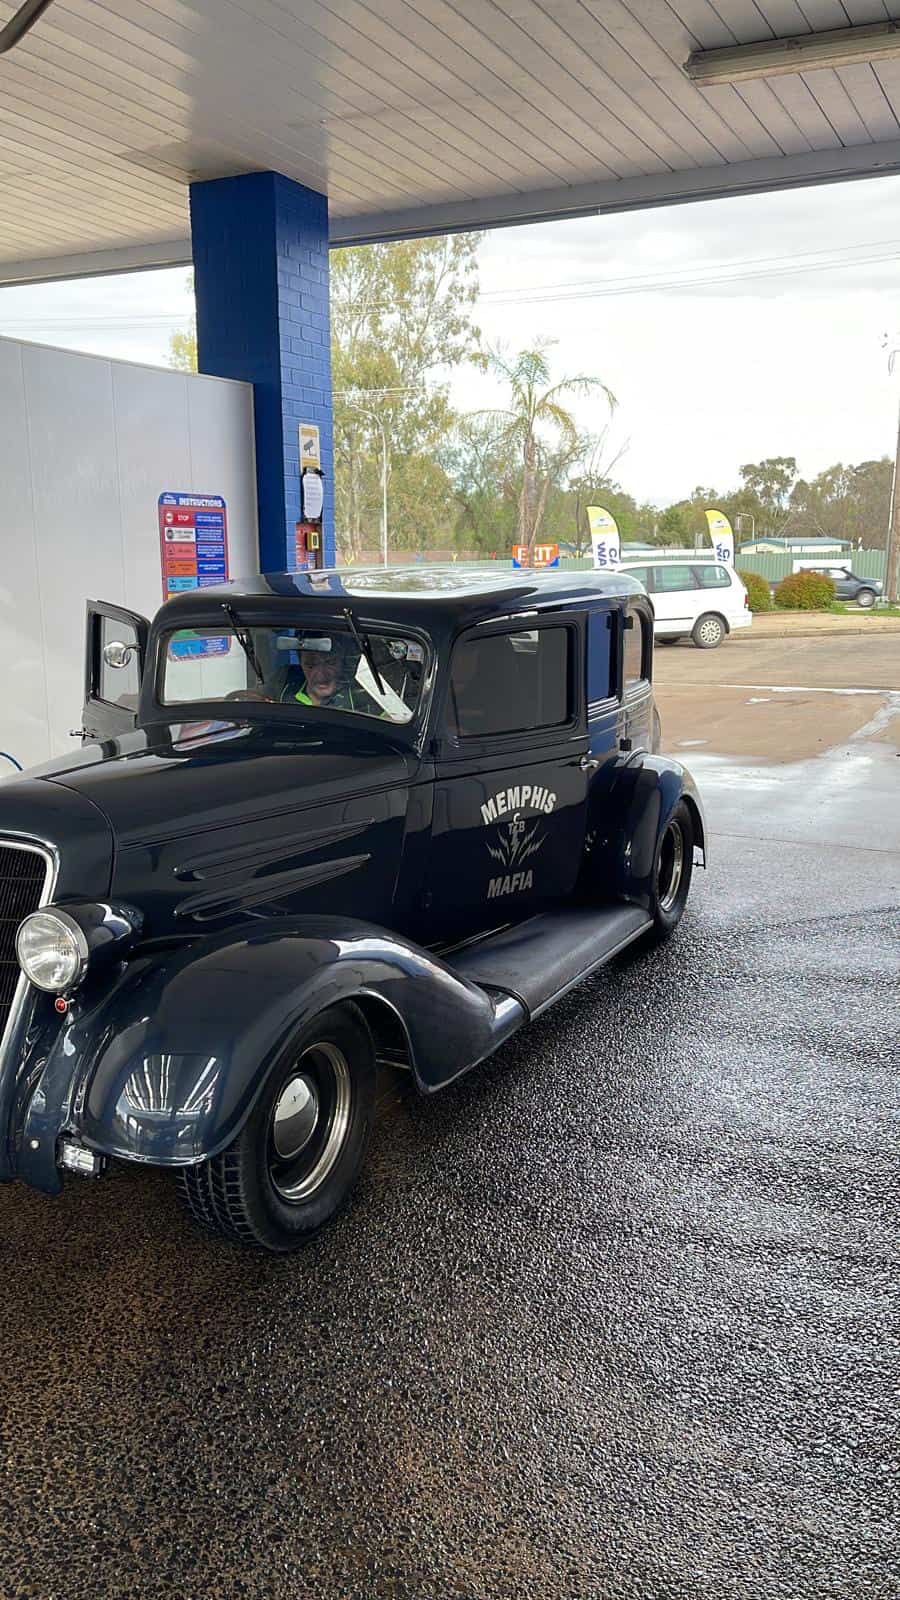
668, 284
791, 257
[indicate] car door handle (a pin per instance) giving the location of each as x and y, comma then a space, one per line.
589, 763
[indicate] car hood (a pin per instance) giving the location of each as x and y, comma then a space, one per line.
173, 781
68, 824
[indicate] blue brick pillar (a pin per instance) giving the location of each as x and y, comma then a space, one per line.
260, 248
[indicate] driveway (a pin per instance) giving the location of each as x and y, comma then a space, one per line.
614, 1318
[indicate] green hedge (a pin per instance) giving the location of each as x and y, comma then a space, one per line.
758, 591
804, 591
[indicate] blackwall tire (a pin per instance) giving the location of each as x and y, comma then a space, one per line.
672, 873
296, 1159
866, 598
709, 631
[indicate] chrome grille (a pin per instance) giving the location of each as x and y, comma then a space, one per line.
25, 872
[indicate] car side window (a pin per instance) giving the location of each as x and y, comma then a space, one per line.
670, 577
636, 651
510, 683
117, 669
601, 677
642, 574
709, 577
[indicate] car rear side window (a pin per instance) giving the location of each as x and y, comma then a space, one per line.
709, 577
635, 651
510, 683
672, 577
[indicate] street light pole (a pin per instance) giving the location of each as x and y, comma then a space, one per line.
892, 553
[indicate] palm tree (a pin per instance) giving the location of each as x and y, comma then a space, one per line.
538, 425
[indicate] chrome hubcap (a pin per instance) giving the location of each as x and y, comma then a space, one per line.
710, 631
296, 1115
309, 1122
671, 866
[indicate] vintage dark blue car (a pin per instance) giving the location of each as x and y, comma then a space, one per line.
320, 822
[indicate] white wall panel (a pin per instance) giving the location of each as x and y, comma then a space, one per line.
154, 454
87, 446
23, 698
223, 462
77, 532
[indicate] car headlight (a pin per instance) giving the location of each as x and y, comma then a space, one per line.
52, 950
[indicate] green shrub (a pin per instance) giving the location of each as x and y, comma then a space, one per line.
804, 591
758, 592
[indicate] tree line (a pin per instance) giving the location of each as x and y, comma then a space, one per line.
403, 324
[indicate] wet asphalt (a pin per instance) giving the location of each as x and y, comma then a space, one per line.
614, 1317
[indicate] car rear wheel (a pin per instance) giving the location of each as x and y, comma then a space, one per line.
709, 631
668, 638
866, 598
672, 872
299, 1154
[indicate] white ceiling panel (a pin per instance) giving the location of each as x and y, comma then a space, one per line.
411, 115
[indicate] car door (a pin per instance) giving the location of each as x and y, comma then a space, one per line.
115, 656
677, 599
511, 770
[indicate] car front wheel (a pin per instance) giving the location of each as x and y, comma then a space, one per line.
672, 872
709, 631
866, 598
297, 1157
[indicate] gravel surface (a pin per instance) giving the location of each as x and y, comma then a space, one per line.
614, 1317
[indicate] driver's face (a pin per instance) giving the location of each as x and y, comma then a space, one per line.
320, 669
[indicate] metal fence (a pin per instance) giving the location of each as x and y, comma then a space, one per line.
864, 563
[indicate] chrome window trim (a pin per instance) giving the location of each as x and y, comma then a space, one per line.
36, 847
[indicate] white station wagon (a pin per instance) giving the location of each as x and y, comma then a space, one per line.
697, 599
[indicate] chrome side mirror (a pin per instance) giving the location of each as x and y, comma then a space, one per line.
116, 654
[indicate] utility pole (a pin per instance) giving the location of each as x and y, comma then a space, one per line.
892, 554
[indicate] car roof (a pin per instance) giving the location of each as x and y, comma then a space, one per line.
458, 591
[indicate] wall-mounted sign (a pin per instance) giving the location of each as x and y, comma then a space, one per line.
193, 541
312, 494
310, 454
541, 555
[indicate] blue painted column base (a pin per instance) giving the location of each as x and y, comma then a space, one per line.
260, 248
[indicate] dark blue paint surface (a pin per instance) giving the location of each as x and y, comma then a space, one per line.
301, 857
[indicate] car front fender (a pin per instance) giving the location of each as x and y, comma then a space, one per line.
167, 1065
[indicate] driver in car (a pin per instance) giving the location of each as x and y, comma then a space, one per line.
325, 661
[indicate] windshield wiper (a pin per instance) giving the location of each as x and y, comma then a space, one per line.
245, 640
19, 24
362, 640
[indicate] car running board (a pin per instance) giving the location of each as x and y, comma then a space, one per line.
539, 960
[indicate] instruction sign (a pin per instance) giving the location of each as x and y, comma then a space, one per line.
312, 494
193, 541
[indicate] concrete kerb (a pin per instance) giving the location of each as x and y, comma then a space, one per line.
812, 625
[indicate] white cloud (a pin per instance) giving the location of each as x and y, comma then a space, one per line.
788, 361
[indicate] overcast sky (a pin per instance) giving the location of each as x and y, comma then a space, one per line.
728, 330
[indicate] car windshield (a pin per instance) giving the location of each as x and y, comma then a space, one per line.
320, 665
